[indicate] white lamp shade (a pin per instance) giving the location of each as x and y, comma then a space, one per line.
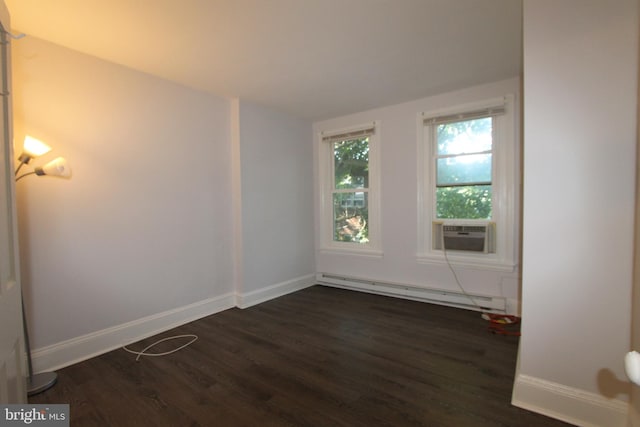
632, 366
34, 147
56, 167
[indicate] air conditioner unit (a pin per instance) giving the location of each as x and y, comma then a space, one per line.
468, 237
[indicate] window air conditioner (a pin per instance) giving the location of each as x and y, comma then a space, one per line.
468, 237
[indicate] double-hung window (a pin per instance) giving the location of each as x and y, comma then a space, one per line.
462, 158
349, 181
467, 181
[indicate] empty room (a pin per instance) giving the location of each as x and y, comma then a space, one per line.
320, 212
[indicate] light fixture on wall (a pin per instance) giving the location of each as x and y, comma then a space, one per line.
32, 148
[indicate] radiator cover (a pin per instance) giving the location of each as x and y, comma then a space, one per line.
416, 293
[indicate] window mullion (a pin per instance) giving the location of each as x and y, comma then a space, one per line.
350, 190
464, 184
448, 156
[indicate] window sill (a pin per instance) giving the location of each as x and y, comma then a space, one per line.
477, 262
362, 252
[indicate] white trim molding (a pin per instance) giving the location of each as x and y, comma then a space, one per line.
84, 347
414, 292
568, 404
249, 299
81, 348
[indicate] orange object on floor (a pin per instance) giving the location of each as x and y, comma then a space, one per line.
502, 323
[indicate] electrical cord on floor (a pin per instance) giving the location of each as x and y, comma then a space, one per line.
455, 276
498, 323
144, 351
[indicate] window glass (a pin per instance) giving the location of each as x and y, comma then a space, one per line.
463, 162
351, 163
468, 202
348, 172
467, 136
350, 217
464, 169
350, 207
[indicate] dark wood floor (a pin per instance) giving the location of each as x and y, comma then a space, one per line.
318, 357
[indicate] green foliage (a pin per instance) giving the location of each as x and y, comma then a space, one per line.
464, 169
457, 142
351, 163
350, 219
469, 202
350, 209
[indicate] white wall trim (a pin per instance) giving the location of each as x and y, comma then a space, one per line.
514, 307
432, 295
81, 348
245, 300
568, 404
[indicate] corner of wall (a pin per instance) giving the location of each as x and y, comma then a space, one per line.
236, 195
249, 299
568, 404
81, 348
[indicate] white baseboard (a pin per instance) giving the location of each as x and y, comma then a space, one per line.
248, 299
81, 348
451, 298
568, 404
514, 308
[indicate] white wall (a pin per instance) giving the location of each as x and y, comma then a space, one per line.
399, 188
181, 203
580, 92
634, 408
276, 173
144, 226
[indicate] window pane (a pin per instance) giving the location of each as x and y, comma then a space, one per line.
351, 163
470, 202
464, 169
350, 217
469, 136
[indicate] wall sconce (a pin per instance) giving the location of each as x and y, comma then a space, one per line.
33, 148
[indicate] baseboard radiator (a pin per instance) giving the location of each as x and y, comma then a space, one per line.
431, 295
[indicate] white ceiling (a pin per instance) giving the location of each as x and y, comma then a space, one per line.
313, 58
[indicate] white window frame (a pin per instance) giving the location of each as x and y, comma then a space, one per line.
505, 187
325, 168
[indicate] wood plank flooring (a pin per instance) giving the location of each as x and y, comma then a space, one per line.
317, 357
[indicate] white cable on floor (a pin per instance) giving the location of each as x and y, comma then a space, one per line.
144, 352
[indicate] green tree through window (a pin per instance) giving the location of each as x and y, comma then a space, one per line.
463, 162
351, 190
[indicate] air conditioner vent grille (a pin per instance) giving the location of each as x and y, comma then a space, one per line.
466, 228
478, 238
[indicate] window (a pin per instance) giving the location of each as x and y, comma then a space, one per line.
462, 159
350, 190
467, 176
348, 168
